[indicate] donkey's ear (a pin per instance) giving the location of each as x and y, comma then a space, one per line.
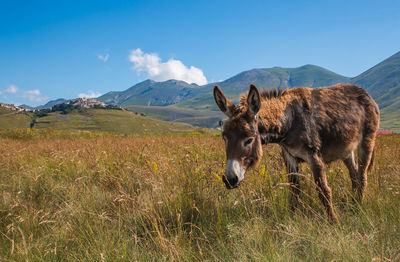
253, 100
224, 104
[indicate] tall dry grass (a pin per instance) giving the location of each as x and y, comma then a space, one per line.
160, 198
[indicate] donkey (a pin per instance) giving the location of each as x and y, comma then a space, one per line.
313, 125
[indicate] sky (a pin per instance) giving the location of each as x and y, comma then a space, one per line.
69, 49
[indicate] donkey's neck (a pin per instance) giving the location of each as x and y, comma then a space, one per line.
274, 119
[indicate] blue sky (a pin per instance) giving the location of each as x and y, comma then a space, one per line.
53, 49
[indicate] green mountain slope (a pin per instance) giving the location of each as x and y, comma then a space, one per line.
106, 120
276, 77
13, 119
383, 83
52, 103
116, 121
314, 76
381, 78
390, 117
203, 118
152, 93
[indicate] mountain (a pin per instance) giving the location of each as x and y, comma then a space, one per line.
383, 83
382, 78
26, 107
184, 95
52, 103
152, 93
276, 77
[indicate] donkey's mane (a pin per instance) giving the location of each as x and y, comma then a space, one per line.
265, 94
272, 93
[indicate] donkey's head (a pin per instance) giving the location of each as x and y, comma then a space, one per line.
240, 133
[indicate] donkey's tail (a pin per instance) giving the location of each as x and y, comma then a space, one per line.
372, 161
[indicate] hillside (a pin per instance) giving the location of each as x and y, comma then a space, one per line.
203, 118
93, 119
383, 83
115, 121
152, 93
14, 119
52, 103
382, 78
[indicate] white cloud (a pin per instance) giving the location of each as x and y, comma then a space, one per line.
161, 71
33, 96
12, 89
90, 94
104, 57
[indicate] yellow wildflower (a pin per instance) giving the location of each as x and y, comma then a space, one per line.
218, 177
262, 171
155, 167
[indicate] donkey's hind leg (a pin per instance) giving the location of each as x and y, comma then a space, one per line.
350, 163
365, 152
292, 168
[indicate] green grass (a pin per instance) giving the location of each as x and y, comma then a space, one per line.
202, 102
116, 121
390, 120
203, 118
390, 117
12, 119
160, 198
103, 120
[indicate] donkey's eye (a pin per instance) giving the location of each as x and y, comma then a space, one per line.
248, 142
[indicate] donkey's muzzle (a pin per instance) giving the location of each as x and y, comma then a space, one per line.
230, 183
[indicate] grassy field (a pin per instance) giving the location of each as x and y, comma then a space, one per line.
12, 119
102, 197
204, 118
98, 120
115, 121
390, 118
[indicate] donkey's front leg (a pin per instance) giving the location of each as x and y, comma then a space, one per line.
292, 168
318, 168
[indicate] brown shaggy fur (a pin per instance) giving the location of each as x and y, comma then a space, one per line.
315, 125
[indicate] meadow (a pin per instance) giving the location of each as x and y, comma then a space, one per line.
87, 196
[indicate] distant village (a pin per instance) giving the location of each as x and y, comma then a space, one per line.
12, 107
75, 103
